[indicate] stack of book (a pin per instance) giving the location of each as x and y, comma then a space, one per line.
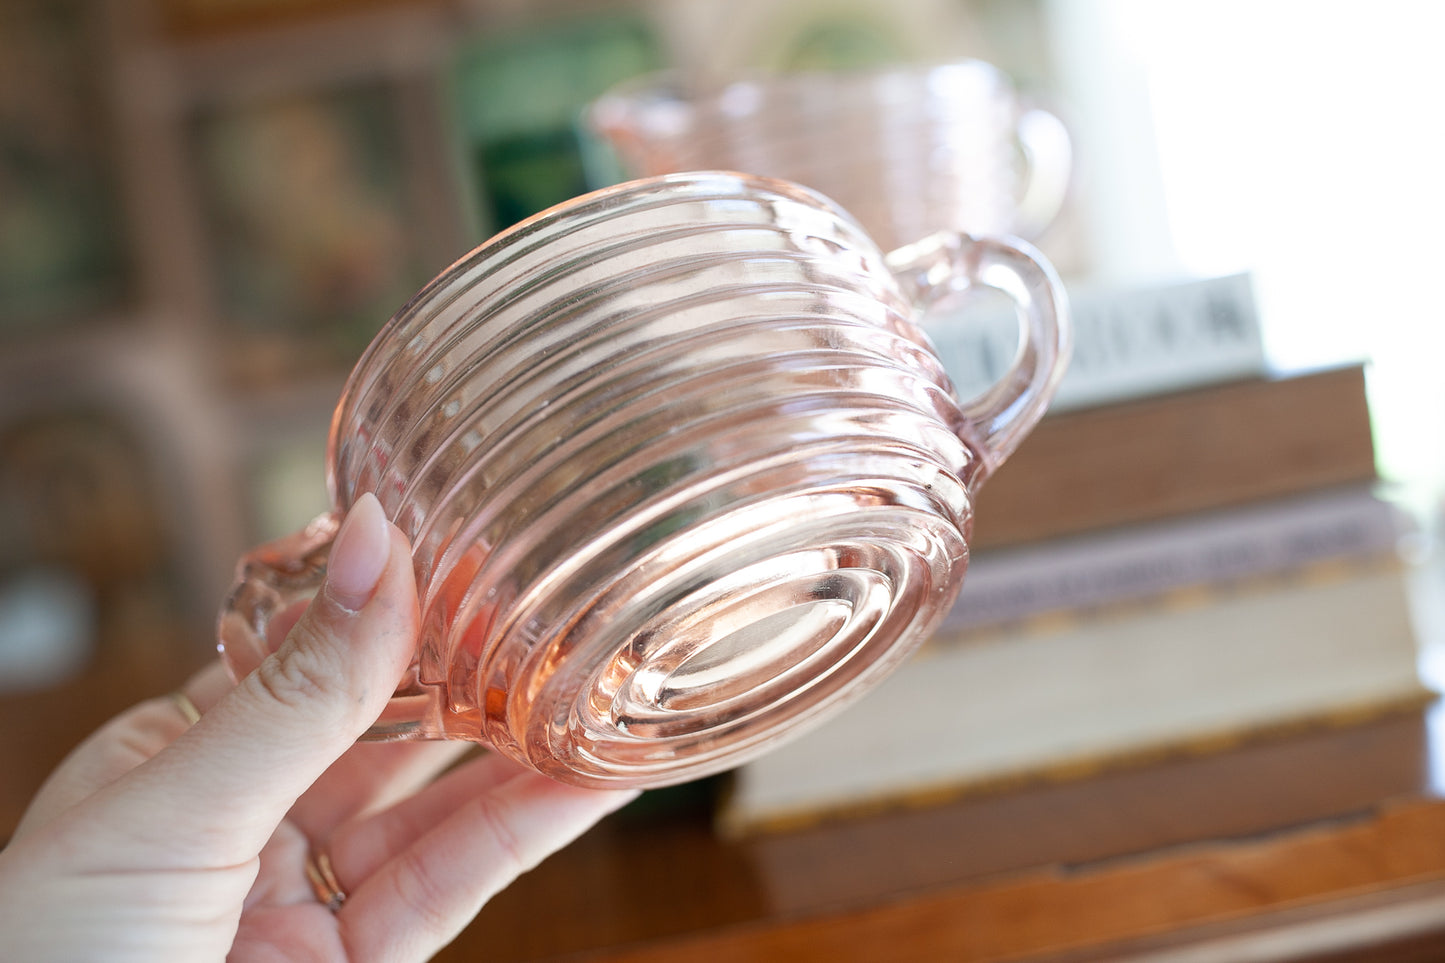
1155, 571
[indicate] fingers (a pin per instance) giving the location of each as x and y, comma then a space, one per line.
422, 898
131, 738
207, 687
370, 777
360, 848
219, 791
116, 748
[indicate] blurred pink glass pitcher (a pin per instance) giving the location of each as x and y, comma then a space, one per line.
907, 150
680, 472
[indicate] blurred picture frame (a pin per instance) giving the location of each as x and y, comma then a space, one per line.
62, 245
308, 205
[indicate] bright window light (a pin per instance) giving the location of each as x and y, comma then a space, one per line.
1303, 141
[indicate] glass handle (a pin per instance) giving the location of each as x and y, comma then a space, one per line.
274, 577
951, 264
269, 580
1048, 164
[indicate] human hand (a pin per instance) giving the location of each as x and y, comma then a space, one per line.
161, 840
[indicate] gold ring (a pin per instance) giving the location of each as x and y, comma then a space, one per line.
186, 706
323, 881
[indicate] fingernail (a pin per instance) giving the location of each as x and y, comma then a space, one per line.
359, 555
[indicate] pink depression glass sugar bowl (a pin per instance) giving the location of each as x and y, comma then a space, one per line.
682, 476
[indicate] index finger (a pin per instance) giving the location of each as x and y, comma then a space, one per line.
217, 793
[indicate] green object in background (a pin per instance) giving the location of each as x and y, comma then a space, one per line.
526, 172
518, 99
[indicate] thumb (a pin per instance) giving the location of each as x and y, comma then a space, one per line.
225, 785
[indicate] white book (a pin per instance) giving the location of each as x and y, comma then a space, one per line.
1128, 343
1074, 696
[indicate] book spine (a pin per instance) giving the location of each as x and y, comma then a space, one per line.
1167, 456
1127, 343
1089, 572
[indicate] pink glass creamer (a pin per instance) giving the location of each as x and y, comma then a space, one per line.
681, 473
906, 150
